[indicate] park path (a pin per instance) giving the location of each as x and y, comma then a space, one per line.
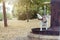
17, 29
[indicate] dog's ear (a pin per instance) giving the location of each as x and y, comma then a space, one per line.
39, 16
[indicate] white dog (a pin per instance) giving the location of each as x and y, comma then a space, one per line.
43, 21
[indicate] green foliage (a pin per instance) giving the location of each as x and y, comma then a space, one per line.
9, 16
1, 16
1, 0
30, 7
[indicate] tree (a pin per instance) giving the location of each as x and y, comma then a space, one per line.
4, 13
22, 6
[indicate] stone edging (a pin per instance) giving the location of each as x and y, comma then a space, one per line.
31, 35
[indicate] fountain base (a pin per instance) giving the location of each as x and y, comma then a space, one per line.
32, 36
50, 31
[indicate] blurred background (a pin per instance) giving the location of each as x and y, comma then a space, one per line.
20, 17
24, 9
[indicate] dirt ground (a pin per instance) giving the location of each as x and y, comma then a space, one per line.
17, 28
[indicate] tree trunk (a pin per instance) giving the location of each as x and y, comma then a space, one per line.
27, 14
4, 13
27, 17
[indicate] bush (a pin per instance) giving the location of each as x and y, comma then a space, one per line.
9, 16
1, 16
23, 16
